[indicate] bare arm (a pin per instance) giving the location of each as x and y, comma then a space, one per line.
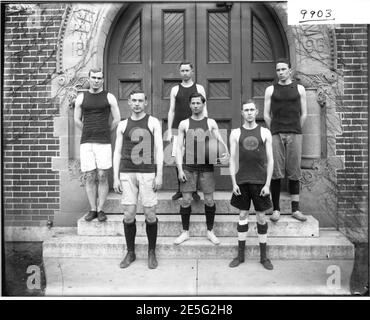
201, 90
114, 110
117, 155
217, 135
78, 111
302, 92
267, 107
171, 111
234, 137
158, 148
179, 147
266, 135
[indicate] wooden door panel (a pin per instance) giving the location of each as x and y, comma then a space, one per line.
129, 56
218, 60
233, 49
173, 32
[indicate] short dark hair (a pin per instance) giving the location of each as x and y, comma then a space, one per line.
95, 70
186, 62
137, 91
248, 101
283, 60
197, 95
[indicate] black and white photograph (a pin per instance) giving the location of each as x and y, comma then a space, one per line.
185, 150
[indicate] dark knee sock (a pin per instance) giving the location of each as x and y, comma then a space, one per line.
275, 193
241, 250
185, 217
294, 187
130, 234
242, 234
210, 216
261, 231
178, 181
151, 232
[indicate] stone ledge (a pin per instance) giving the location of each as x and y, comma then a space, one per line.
35, 234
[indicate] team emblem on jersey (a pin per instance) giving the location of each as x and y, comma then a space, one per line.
250, 143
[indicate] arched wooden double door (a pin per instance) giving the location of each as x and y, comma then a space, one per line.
233, 50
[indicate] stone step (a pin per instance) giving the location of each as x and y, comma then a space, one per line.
167, 205
330, 245
80, 277
225, 225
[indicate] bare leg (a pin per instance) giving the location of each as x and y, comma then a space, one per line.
103, 188
90, 188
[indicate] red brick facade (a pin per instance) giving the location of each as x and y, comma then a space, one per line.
30, 188
352, 144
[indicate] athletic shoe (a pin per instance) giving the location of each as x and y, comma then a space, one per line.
130, 257
212, 237
182, 237
152, 260
177, 196
299, 216
91, 215
275, 216
196, 196
267, 264
235, 262
101, 216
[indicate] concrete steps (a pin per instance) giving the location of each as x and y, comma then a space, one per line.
85, 261
225, 226
194, 277
329, 245
166, 205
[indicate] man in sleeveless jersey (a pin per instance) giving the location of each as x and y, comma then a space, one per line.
179, 109
285, 113
91, 114
195, 166
137, 173
251, 165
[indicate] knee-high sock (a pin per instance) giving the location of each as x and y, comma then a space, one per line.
294, 187
130, 234
275, 193
262, 238
151, 232
185, 217
210, 216
242, 236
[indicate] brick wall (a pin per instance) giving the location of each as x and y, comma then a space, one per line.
352, 49
30, 188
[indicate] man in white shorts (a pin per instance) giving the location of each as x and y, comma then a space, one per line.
91, 114
138, 173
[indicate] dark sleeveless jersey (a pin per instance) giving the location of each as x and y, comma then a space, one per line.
196, 145
182, 109
285, 109
252, 157
138, 147
95, 116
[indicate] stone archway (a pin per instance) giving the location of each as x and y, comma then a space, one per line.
82, 42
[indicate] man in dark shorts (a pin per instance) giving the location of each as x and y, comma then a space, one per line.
251, 165
138, 173
196, 164
179, 110
91, 114
285, 113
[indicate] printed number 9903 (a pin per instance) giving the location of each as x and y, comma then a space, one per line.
319, 14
